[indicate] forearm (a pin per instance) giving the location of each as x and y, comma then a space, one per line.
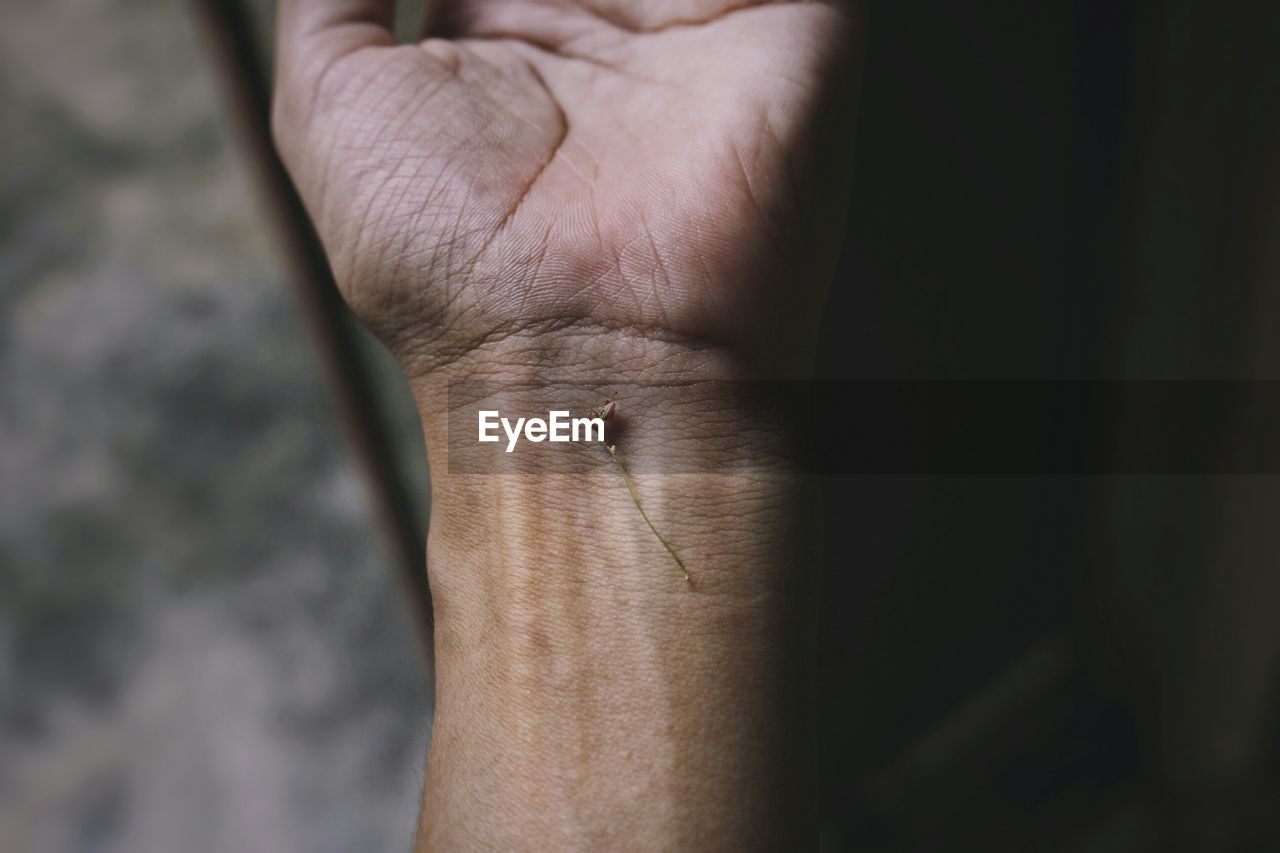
640, 218
587, 697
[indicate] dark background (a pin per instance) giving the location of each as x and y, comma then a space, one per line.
203, 648
1059, 191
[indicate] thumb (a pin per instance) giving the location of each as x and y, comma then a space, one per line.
312, 35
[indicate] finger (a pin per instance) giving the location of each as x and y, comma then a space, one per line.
310, 36
313, 33
547, 23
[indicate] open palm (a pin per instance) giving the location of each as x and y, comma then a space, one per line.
651, 165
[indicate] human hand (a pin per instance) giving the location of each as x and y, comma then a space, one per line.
656, 169
591, 192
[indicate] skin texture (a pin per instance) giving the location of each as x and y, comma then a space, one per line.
629, 194
562, 162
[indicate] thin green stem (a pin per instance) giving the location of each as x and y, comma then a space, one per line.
635, 497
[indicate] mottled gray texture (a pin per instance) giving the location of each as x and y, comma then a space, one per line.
200, 647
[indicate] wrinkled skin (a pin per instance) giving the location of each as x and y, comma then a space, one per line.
645, 191
673, 168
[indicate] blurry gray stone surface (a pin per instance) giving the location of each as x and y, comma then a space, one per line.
200, 646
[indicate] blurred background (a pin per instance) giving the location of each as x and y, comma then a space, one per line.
206, 638
201, 644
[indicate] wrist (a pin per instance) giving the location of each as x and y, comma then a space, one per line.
678, 396
694, 442
565, 631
